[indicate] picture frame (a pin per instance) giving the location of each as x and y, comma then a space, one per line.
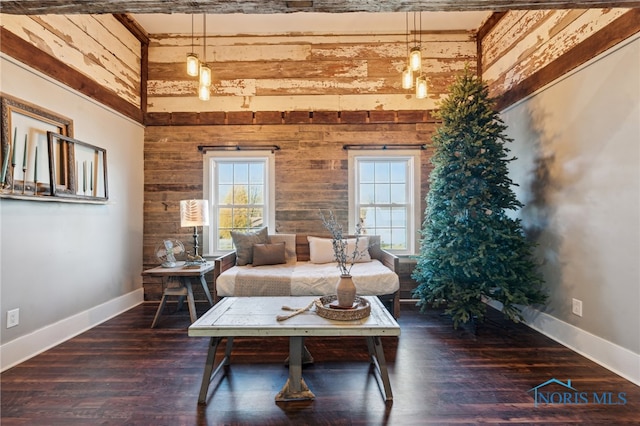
24, 166
77, 169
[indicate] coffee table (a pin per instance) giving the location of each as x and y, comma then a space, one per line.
256, 317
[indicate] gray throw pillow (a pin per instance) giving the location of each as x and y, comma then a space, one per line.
268, 254
244, 241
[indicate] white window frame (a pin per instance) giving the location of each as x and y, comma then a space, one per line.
210, 161
412, 157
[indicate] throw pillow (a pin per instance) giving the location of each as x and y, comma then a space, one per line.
321, 250
289, 241
362, 250
268, 254
244, 241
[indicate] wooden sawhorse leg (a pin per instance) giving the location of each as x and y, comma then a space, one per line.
295, 388
209, 372
374, 344
181, 292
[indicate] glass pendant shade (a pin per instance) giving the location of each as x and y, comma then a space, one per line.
415, 59
205, 75
192, 64
407, 78
204, 93
421, 87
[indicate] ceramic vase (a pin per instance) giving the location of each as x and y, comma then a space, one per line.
346, 291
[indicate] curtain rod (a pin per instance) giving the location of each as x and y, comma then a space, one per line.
384, 147
205, 148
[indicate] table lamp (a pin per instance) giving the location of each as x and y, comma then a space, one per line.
194, 213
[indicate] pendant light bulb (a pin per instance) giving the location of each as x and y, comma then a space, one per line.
205, 75
415, 58
421, 87
192, 64
407, 78
204, 93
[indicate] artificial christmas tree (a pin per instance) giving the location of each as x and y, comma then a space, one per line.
471, 250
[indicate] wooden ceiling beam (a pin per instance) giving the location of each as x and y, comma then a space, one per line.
38, 7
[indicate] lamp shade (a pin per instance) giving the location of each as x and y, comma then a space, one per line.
194, 213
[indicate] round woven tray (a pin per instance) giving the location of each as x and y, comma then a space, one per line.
361, 309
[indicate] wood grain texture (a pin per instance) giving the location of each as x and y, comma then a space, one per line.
310, 173
98, 47
273, 6
620, 29
304, 72
524, 42
124, 372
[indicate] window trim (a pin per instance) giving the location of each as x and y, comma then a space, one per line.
414, 162
213, 156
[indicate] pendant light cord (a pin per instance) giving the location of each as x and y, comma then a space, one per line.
192, 44
204, 47
406, 19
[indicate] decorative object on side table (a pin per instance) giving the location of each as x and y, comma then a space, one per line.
194, 213
325, 307
167, 250
345, 289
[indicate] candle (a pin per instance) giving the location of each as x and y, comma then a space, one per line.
5, 158
13, 146
24, 155
5, 163
91, 177
84, 176
35, 166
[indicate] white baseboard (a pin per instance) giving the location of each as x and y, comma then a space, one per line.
611, 356
30, 345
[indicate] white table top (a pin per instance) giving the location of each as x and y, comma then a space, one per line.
256, 316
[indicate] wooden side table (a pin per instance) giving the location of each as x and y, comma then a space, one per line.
184, 275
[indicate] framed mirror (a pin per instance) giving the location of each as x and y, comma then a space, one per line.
77, 169
24, 146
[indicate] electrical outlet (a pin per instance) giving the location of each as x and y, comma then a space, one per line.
576, 307
13, 317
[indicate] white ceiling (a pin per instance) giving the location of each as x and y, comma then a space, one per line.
311, 23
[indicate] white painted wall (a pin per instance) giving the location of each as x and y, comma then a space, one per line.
62, 260
578, 148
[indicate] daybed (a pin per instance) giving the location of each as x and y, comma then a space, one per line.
308, 269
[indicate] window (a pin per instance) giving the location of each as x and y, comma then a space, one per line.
240, 191
384, 196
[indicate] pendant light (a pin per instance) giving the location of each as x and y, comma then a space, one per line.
407, 73
192, 58
204, 91
205, 75
421, 87
407, 78
415, 56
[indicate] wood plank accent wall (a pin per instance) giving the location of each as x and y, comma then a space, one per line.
311, 172
97, 47
303, 72
528, 49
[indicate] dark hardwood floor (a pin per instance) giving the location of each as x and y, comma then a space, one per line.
124, 373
